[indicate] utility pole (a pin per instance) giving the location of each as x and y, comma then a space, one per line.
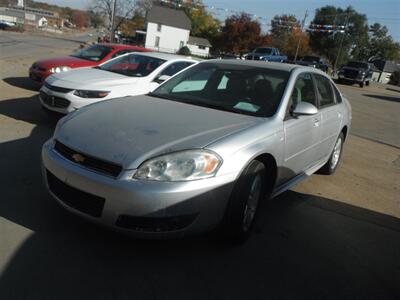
301, 36
113, 9
346, 24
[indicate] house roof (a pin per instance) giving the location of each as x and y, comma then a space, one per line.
169, 17
199, 41
385, 66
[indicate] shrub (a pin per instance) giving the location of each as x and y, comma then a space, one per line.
184, 51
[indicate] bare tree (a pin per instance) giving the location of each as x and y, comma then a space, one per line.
124, 10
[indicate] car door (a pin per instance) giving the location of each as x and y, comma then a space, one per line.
302, 133
331, 115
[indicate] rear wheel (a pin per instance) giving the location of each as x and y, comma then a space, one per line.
333, 162
361, 84
243, 204
367, 83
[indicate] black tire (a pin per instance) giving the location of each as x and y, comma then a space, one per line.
361, 84
367, 83
331, 166
240, 213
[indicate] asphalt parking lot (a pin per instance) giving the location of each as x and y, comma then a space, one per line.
332, 237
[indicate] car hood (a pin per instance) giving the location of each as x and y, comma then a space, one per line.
353, 69
129, 130
89, 78
69, 61
307, 63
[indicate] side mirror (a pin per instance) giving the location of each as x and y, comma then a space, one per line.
162, 78
304, 109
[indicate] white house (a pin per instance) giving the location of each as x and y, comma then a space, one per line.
199, 46
42, 22
167, 30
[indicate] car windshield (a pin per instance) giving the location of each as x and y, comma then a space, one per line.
263, 50
230, 87
133, 65
356, 64
93, 53
311, 58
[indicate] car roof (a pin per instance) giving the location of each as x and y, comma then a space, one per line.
165, 56
255, 63
123, 46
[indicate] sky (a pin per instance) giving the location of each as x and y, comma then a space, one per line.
386, 12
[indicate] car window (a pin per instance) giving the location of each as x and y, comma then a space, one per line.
134, 65
325, 91
93, 53
337, 94
303, 90
235, 88
194, 82
174, 68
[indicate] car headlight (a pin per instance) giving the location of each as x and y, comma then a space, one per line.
180, 166
60, 69
91, 94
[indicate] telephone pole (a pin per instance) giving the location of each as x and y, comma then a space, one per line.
301, 35
341, 42
113, 9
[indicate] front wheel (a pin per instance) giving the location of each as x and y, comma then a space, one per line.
243, 204
361, 84
333, 162
367, 83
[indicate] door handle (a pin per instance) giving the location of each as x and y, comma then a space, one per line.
316, 122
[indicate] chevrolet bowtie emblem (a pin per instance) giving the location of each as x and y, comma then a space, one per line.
78, 158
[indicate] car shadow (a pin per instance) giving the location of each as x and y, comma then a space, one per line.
382, 97
303, 247
23, 83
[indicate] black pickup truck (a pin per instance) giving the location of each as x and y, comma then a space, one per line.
313, 61
355, 72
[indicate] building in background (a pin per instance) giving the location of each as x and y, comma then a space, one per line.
383, 70
199, 46
168, 30
31, 17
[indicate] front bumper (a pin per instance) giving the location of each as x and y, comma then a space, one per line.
201, 204
351, 79
38, 75
64, 103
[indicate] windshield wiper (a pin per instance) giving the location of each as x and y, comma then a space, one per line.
160, 96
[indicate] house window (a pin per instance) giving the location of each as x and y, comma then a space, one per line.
159, 27
202, 47
157, 43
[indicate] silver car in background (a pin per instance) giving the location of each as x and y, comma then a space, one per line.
201, 151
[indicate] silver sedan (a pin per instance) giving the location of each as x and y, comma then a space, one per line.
201, 151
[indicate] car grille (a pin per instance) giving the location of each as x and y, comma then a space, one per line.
350, 73
151, 224
90, 162
87, 203
57, 88
54, 101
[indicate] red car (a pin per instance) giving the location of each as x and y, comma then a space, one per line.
88, 57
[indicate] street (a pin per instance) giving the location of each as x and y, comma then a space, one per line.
331, 237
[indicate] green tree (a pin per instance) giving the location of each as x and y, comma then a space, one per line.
203, 23
335, 45
282, 28
381, 45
